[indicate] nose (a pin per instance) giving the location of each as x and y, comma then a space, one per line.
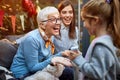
58, 21
67, 14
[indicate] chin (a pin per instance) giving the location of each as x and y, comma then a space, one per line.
67, 23
56, 34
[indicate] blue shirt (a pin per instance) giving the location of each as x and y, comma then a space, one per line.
32, 55
100, 62
65, 43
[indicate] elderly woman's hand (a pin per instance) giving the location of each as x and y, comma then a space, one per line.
61, 60
71, 54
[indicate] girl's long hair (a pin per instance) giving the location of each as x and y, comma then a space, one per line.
109, 10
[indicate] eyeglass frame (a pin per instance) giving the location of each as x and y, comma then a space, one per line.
54, 20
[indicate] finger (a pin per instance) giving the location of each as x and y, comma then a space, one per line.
54, 64
65, 54
67, 62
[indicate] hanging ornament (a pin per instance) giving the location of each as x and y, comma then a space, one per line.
22, 21
38, 7
29, 7
1, 17
13, 20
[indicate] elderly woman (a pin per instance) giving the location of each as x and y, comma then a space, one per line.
36, 50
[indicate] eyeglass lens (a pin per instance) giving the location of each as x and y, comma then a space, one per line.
54, 20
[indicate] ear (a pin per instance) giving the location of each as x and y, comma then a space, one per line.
42, 25
96, 19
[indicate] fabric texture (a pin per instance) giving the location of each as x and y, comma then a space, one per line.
7, 53
48, 42
38, 53
48, 73
64, 42
101, 62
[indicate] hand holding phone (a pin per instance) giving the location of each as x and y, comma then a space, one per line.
71, 54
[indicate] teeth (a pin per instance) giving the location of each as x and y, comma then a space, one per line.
56, 28
67, 20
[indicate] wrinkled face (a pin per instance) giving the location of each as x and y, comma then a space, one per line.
67, 15
53, 24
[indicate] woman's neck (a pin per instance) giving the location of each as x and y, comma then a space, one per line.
101, 31
48, 35
44, 34
62, 24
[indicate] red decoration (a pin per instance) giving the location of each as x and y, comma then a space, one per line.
29, 7
1, 18
13, 19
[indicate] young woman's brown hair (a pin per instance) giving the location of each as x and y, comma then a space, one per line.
61, 6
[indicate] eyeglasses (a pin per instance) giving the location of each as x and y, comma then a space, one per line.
53, 20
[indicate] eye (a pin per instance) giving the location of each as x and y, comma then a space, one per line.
63, 12
71, 12
53, 19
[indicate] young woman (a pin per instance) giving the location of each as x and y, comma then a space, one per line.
36, 50
68, 39
102, 19
69, 32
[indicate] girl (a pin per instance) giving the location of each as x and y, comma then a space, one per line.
102, 19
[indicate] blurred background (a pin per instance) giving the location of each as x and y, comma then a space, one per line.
19, 16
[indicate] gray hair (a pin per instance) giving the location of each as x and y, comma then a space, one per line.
43, 14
